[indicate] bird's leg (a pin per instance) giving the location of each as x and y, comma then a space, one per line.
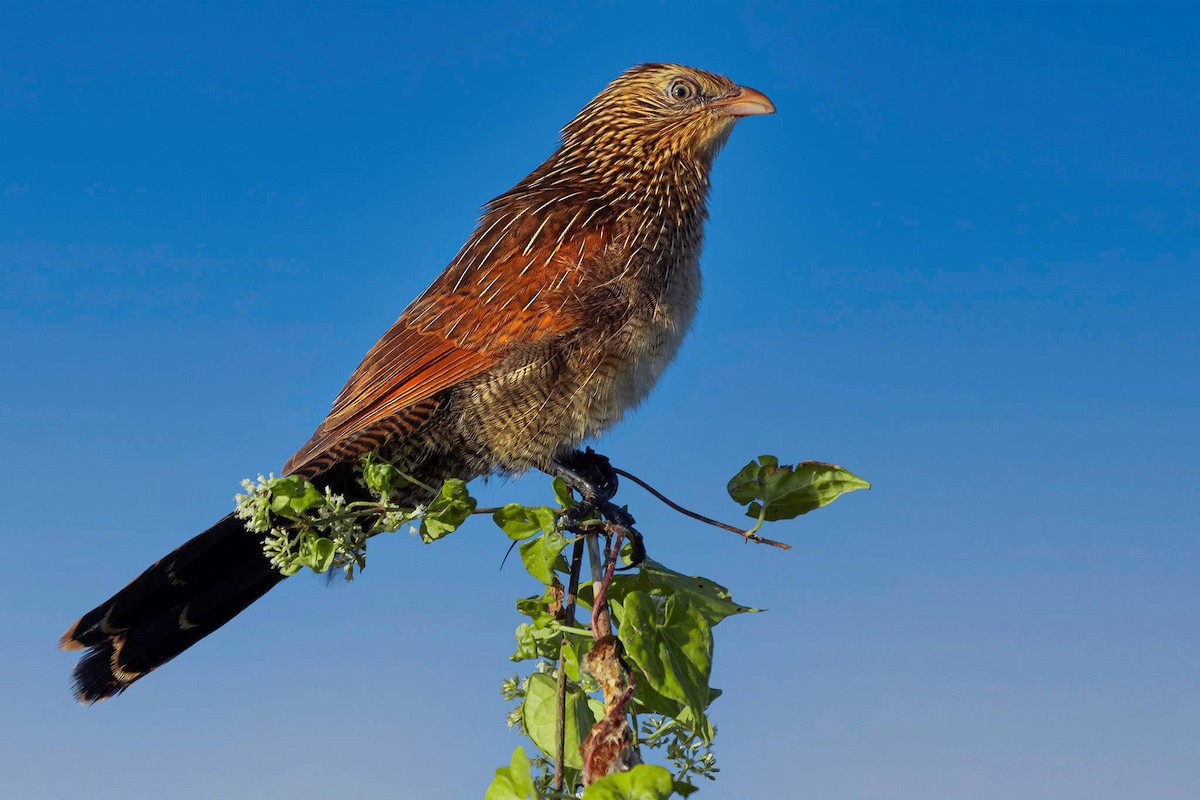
592, 476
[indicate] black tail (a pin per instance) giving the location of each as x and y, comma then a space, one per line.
168, 608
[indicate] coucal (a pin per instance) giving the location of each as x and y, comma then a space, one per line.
557, 315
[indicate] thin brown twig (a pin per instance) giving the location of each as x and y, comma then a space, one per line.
489, 510
560, 742
750, 537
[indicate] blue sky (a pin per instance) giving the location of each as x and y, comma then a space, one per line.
962, 260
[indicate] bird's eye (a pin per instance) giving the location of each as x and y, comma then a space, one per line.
681, 89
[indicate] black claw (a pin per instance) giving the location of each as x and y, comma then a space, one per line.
572, 516
637, 550
591, 475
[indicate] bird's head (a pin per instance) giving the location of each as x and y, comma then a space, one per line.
657, 114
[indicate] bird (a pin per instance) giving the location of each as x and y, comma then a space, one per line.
555, 318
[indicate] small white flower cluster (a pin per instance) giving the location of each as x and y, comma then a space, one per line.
280, 548
392, 521
345, 529
255, 505
330, 535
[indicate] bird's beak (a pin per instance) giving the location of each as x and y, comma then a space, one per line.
745, 102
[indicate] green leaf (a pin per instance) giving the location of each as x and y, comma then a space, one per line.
597, 708
650, 701
684, 789
708, 597
543, 555
537, 609
671, 642
785, 491
381, 476
570, 658
541, 636
539, 713
643, 782
316, 552
448, 510
535, 642
746, 487
562, 493
514, 782
292, 496
520, 522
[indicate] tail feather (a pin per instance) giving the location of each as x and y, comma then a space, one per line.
175, 603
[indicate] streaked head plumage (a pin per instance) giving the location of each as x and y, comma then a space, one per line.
686, 110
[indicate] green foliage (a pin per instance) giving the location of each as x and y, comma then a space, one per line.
643, 782
315, 552
514, 782
540, 637
303, 528
382, 477
562, 494
292, 496
690, 753
543, 556
451, 508
671, 643
535, 642
773, 492
520, 522
668, 690
664, 618
712, 600
539, 717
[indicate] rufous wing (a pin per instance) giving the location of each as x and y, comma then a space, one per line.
519, 280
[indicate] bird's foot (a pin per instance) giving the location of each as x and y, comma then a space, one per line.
591, 475
588, 473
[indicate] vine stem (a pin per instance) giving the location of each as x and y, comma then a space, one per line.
601, 615
748, 535
601, 620
560, 716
